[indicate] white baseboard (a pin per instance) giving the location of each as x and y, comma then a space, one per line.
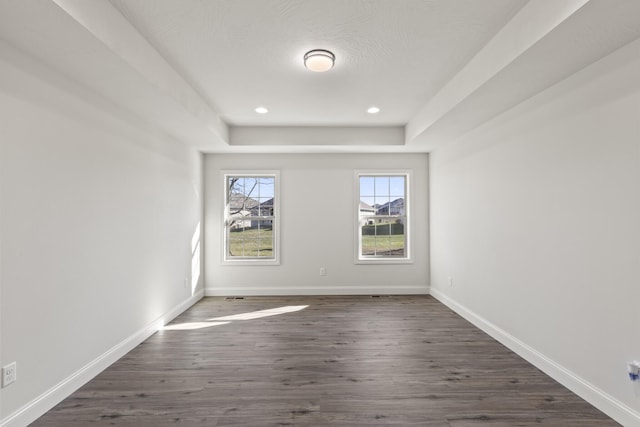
47, 400
609, 405
242, 291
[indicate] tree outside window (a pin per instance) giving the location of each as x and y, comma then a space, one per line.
250, 217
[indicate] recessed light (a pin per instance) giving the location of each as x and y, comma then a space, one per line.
373, 110
261, 110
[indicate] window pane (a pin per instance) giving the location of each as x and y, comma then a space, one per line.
366, 186
265, 207
397, 239
235, 185
266, 187
265, 234
382, 185
368, 240
396, 207
265, 247
396, 187
236, 244
251, 242
383, 240
382, 205
250, 186
250, 247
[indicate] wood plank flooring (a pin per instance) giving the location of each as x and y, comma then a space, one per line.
341, 361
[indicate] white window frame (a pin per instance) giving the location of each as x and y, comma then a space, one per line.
275, 259
408, 256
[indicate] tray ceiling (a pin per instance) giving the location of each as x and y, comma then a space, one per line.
196, 69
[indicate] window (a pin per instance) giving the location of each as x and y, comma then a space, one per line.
251, 217
383, 217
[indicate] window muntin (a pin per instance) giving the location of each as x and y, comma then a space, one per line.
383, 226
251, 217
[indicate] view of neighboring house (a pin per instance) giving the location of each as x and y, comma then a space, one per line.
366, 211
395, 207
240, 206
263, 209
243, 211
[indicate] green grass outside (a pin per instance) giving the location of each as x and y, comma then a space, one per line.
251, 242
383, 245
258, 243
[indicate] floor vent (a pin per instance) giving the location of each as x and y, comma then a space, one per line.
381, 296
233, 298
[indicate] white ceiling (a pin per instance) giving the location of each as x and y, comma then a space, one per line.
196, 69
242, 54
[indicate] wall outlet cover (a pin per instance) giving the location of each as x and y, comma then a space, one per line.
9, 374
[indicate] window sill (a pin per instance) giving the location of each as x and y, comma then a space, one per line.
248, 262
383, 261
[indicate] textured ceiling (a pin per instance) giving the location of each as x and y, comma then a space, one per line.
194, 70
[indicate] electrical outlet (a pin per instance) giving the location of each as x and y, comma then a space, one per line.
186, 282
323, 271
450, 281
9, 374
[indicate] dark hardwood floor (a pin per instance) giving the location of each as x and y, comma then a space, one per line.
341, 361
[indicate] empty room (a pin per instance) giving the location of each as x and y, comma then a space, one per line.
320, 213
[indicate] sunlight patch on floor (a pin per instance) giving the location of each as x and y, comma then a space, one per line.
192, 325
218, 321
262, 313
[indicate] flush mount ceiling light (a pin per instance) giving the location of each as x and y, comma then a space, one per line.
261, 110
373, 110
319, 60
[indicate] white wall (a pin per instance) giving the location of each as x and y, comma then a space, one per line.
97, 220
536, 218
317, 227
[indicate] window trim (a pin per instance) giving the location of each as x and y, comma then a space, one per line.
408, 258
275, 260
